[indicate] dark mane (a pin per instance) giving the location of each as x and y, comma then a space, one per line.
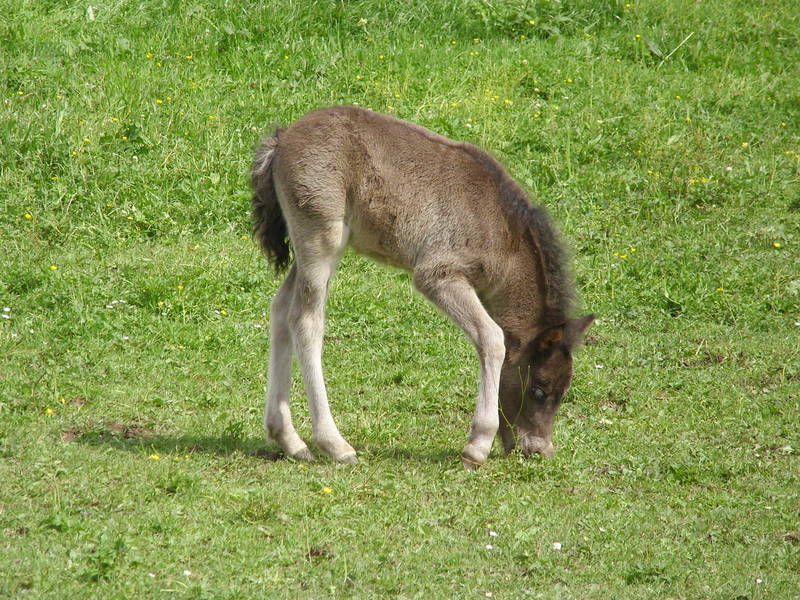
534, 222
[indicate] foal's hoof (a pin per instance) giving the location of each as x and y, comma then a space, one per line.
347, 459
470, 464
303, 455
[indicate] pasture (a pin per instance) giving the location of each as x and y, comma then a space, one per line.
664, 139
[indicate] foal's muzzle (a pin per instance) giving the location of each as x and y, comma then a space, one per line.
532, 444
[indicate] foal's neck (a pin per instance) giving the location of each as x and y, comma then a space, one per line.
517, 304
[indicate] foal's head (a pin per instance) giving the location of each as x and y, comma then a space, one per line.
531, 390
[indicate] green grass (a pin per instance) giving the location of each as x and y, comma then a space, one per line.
663, 136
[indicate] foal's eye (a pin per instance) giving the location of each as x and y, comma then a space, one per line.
538, 394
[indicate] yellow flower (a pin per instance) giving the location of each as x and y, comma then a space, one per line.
50, 411
159, 101
638, 36
777, 244
245, 237
54, 267
531, 22
744, 144
86, 140
327, 490
188, 57
180, 287
154, 456
28, 216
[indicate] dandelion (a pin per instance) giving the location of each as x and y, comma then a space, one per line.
54, 267
327, 490
777, 245
154, 456
531, 22
188, 57
638, 36
159, 101
744, 144
245, 236
86, 140
179, 287
27, 216
49, 411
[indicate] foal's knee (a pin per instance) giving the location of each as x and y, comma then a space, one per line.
492, 345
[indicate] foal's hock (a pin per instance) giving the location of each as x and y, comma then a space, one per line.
448, 213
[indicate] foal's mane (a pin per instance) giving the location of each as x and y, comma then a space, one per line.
534, 223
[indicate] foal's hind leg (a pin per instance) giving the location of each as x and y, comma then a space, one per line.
458, 300
277, 416
317, 251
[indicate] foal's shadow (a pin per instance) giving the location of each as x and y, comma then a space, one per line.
134, 439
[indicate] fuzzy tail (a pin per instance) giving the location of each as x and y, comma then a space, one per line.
269, 226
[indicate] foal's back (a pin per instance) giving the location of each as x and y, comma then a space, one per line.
405, 195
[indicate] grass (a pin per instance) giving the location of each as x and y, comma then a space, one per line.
661, 135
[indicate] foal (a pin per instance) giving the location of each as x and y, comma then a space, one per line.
448, 213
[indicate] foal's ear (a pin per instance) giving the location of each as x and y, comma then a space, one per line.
575, 330
569, 334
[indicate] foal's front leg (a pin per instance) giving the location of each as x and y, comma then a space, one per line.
458, 300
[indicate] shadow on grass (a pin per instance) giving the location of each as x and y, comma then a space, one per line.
138, 439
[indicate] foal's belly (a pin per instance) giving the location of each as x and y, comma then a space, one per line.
381, 248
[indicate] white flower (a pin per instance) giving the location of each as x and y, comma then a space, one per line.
489, 547
493, 534
556, 545
187, 572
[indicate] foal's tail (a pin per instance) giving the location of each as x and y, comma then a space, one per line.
269, 225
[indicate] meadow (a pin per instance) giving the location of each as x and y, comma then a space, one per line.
663, 138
